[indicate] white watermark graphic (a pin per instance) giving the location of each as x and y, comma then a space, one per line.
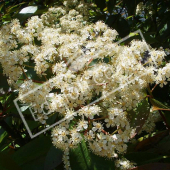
74, 91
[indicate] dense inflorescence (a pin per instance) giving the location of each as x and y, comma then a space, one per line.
97, 79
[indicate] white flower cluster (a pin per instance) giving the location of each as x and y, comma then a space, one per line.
83, 63
140, 8
124, 164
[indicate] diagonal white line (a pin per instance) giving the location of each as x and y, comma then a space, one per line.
99, 99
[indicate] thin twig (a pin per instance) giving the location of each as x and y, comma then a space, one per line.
99, 118
36, 81
154, 88
24, 72
119, 3
148, 96
146, 63
106, 133
164, 119
28, 66
45, 78
163, 109
115, 132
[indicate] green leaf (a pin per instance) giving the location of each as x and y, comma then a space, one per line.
15, 7
37, 164
32, 150
6, 18
31, 73
143, 157
53, 158
41, 11
165, 32
52, 118
139, 115
32, 124
111, 5
101, 4
112, 20
122, 27
158, 104
3, 139
149, 38
1, 6
100, 163
82, 158
163, 29
129, 17
3, 82
3, 136
1, 130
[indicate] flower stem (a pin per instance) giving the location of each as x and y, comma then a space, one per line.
154, 88
24, 72
28, 66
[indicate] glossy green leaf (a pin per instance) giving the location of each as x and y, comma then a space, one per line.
3, 139
142, 158
139, 115
3, 136
36, 164
101, 4
53, 158
3, 80
122, 27
82, 158
165, 32
32, 150
149, 38
2, 5
112, 20
15, 7
158, 104
111, 5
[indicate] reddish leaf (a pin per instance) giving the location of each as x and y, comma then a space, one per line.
151, 141
153, 166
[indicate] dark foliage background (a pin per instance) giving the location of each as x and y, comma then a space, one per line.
151, 152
